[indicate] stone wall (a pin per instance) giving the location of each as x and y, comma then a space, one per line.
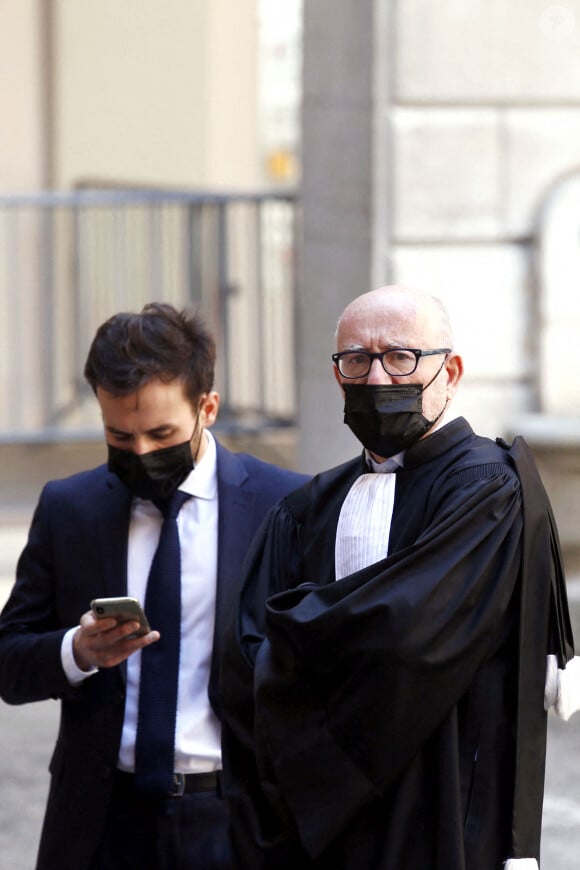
435, 134
484, 117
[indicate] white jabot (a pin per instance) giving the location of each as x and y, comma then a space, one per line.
362, 534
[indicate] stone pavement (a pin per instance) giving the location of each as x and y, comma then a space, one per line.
27, 735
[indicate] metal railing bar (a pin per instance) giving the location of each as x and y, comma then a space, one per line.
49, 199
72, 258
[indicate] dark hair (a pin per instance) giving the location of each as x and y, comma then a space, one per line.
129, 350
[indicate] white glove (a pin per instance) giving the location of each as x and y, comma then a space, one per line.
521, 864
562, 689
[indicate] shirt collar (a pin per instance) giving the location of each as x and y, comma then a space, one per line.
201, 482
386, 465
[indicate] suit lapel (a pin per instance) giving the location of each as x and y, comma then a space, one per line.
111, 503
235, 525
114, 513
235, 529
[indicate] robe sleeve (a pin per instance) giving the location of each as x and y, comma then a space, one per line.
262, 831
354, 677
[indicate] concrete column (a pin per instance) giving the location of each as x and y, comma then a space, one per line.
24, 83
25, 158
338, 117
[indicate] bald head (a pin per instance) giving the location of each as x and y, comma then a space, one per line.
411, 317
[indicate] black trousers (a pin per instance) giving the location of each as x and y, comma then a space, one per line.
181, 833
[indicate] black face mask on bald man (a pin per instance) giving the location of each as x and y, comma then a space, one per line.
387, 418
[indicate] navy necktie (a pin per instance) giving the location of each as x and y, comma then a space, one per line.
155, 741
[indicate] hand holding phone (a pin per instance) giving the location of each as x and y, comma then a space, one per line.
94, 647
123, 609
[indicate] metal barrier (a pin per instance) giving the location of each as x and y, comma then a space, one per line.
70, 260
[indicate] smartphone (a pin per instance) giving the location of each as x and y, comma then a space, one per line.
123, 609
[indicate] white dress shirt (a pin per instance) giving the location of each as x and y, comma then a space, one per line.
198, 731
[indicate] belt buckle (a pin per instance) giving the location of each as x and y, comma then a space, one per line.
179, 785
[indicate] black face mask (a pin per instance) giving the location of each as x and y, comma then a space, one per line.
386, 418
154, 475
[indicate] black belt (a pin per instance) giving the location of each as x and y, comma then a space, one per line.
183, 783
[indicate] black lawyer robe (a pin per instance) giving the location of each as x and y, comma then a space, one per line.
386, 702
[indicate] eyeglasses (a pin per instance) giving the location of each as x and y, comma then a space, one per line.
396, 361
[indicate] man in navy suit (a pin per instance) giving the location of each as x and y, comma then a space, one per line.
94, 535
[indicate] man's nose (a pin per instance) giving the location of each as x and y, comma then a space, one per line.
377, 374
141, 446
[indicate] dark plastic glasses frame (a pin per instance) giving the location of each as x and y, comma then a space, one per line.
336, 358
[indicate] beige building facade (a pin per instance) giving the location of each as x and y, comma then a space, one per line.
440, 147
167, 96
139, 92
439, 143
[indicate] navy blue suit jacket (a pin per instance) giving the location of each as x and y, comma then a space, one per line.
76, 551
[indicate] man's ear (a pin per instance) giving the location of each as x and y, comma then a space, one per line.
454, 369
209, 407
